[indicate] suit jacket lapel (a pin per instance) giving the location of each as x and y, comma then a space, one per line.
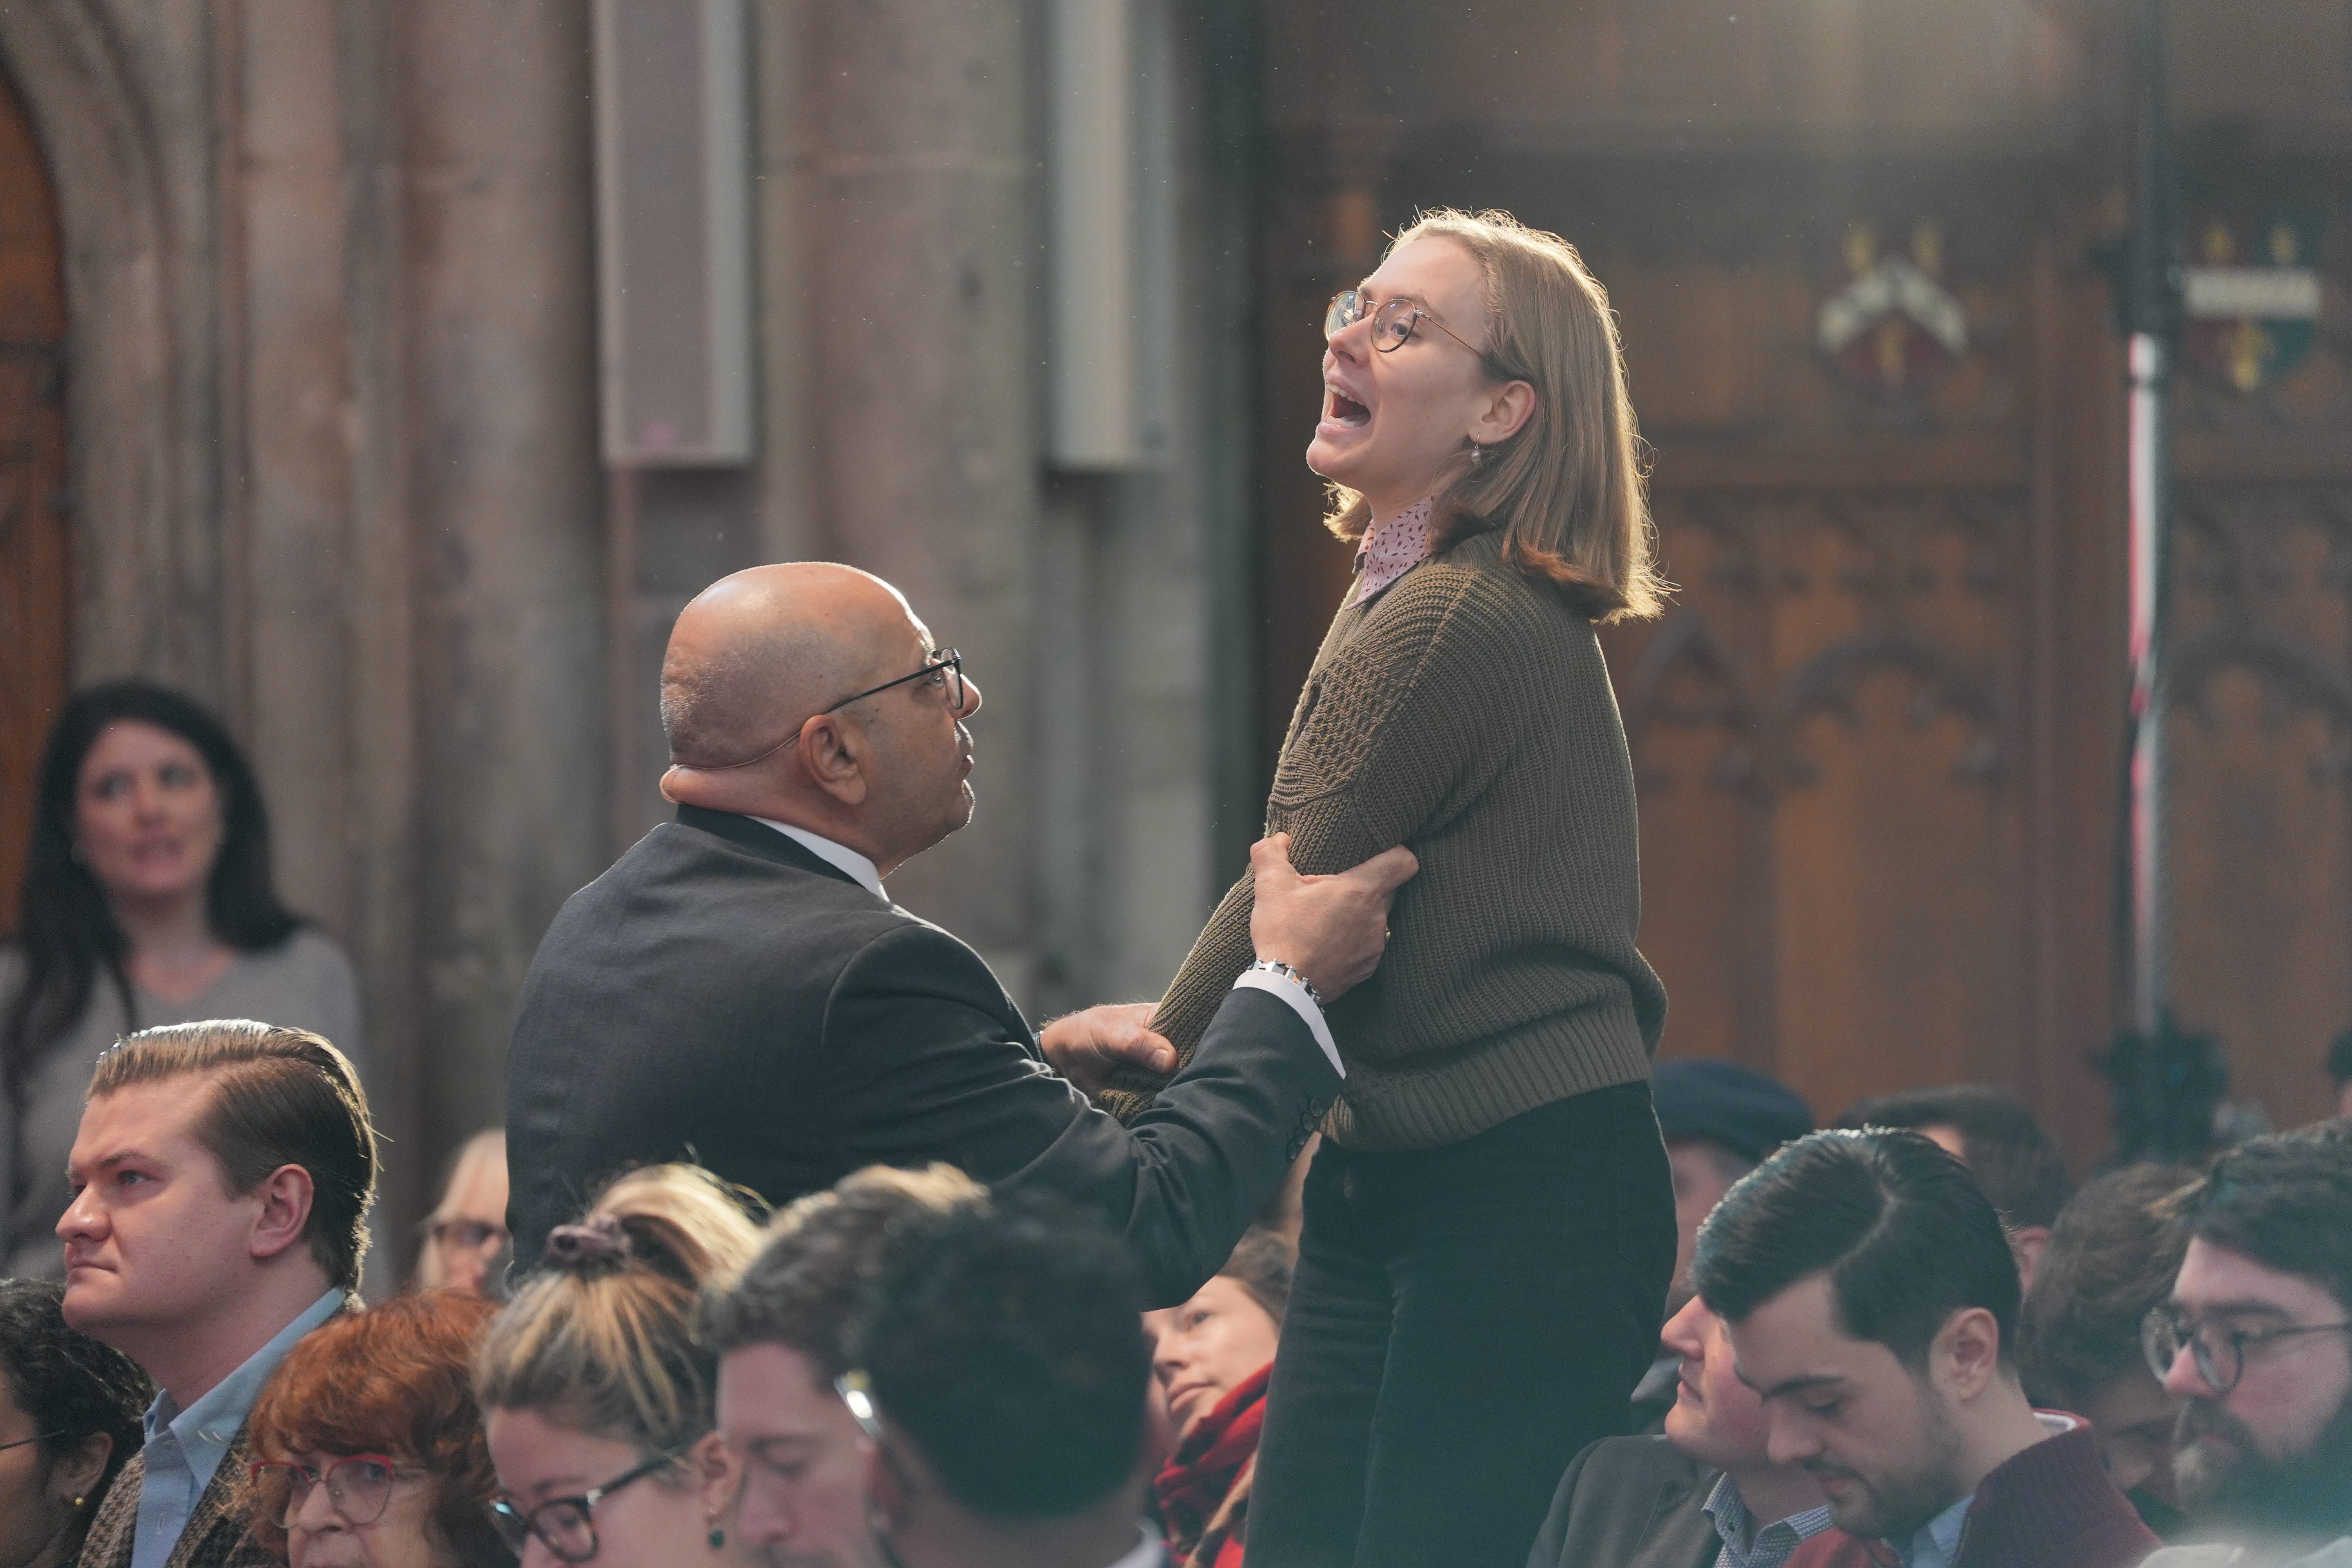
216, 1536
108, 1544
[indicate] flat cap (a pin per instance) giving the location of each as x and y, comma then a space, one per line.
1737, 1106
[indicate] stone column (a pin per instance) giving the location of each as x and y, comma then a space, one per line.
504, 515
925, 237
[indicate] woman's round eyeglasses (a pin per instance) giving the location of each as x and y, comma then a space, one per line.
357, 1487
564, 1525
1394, 320
2220, 1353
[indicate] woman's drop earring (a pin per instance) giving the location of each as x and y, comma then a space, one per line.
1477, 454
718, 1537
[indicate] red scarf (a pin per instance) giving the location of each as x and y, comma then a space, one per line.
1202, 1472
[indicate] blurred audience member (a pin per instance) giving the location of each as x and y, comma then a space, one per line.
2340, 1071
598, 1394
221, 1180
147, 899
1213, 1356
69, 1423
1719, 1119
2012, 1156
2257, 1339
379, 1405
1706, 1494
1872, 1301
2112, 1257
782, 1335
1003, 1387
466, 1237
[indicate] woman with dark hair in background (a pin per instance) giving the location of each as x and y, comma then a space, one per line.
147, 899
69, 1421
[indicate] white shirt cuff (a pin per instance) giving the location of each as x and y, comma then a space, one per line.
1295, 993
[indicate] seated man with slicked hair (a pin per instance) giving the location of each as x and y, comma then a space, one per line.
740, 991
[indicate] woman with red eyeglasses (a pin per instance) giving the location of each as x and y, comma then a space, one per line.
368, 1444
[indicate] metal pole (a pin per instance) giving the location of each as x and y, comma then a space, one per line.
2153, 314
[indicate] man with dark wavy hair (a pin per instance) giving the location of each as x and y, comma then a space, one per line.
1873, 1301
2257, 1340
1002, 1379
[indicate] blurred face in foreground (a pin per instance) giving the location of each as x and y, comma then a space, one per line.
659, 1519
1208, 1347
1874, 1434
2275, 1447
802, 1503
1715, 1418
344, 1511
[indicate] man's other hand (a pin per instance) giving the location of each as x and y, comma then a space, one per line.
1086, 1047
1331, 928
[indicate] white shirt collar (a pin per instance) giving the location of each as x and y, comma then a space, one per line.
841, 856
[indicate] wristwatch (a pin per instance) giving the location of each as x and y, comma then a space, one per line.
1275, 966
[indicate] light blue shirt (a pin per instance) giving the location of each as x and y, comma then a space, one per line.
1744, 1545
185, 1448
1935, 1545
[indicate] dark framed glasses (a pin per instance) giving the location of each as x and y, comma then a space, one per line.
943, 669
564, 1525
359, 1488
36, 1437
2219, 1353
1394, 320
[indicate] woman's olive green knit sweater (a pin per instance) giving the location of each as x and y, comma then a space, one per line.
1464, 712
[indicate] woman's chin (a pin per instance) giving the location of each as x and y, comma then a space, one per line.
1333, 456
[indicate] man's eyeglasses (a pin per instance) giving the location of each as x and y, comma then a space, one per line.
564, 1525
357, 1487
858, 1395
943, 669
1393, 323
2220, 1353
40, 1437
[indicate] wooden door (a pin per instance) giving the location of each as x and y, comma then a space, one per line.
34, 597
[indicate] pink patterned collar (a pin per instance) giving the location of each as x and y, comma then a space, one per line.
1391, 550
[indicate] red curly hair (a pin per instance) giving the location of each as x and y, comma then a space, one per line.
396, 1380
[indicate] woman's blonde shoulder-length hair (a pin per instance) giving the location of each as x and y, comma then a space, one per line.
1565, 491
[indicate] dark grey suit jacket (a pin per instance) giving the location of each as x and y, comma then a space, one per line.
1629, 1503
722, 996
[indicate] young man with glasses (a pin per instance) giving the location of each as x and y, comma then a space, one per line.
739, 990
2257, 1340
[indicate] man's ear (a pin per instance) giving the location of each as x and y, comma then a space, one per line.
835, 752
2027, 1243
1966, 1355
286, 1194
887, 1493
77, 1474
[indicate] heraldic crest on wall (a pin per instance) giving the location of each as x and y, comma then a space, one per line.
1893, 327
2252, 298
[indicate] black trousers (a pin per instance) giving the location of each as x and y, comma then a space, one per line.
1464, 1320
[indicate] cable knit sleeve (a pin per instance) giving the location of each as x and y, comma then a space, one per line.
1390, 735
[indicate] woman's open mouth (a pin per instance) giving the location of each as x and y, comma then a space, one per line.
1339, 408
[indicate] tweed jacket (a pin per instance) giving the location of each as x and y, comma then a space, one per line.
216, 1536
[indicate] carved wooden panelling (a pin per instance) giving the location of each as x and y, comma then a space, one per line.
1818, 736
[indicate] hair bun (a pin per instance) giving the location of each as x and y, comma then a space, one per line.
579, 1245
